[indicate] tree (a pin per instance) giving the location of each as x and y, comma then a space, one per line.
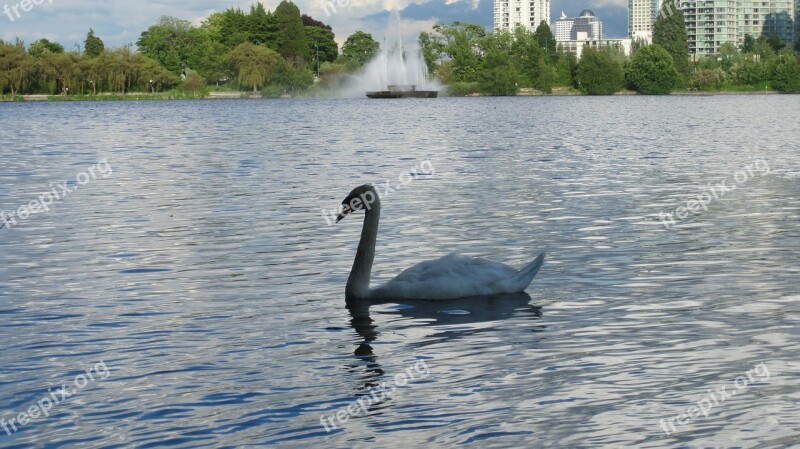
324, 40
16, 68
63, 69
528, 56
599, 73
290, 78
566, 68
431, 51
169, 42
547, 76
637, 43
359, 48
544, 36
148, 74
38, 48
93, 45
118, 68
652, 71
263, 28
762, 48
749, 72
294, 47
460, 43
254, 64
312, 22
785, 73
212, 26
775, 42
210, 61
498, 76
669, 31
91, 73
749, 44
233, 25
728, 52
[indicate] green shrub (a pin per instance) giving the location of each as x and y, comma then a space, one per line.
599, 73
461, 89
708, 80
651, 71
500, 80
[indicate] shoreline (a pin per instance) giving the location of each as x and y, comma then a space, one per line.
525, 92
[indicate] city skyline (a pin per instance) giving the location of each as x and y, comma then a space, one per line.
118, 24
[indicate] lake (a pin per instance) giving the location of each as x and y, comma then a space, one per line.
169, 276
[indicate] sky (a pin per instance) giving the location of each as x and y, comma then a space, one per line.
122, 22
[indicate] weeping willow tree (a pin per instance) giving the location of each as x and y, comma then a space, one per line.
16, 68
254, 64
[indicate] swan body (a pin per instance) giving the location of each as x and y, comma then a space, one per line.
449, 277
454, 276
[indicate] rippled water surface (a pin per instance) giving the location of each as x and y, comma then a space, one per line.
201, 272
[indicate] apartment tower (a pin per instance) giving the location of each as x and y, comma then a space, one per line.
528, 13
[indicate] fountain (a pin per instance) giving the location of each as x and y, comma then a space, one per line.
398, 72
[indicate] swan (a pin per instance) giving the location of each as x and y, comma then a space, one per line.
449, 277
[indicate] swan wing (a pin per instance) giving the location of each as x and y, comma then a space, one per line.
454, 276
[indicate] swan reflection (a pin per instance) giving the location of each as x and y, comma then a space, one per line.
452, 320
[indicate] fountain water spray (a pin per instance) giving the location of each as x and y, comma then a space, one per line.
394, 65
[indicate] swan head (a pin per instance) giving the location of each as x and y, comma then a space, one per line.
363, 197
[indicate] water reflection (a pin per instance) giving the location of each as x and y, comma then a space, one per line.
454, 320
195, 271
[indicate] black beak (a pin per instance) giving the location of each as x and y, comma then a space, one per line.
342, 214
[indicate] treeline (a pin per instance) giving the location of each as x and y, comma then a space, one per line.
471, 60
276, 51
46, 69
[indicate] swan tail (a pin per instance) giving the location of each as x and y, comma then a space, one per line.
525, 276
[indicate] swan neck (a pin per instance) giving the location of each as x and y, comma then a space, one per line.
358, 282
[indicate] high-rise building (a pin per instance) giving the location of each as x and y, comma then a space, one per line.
767, 17
586, 27
641, 17
712, 23
563, 28
585, 31
589, 24
528, 13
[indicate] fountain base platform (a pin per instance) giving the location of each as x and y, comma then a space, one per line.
403, 91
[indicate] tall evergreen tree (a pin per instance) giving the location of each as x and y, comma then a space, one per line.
93, 45
233, 27
294, 47
669, 32
262, 27
544, 36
